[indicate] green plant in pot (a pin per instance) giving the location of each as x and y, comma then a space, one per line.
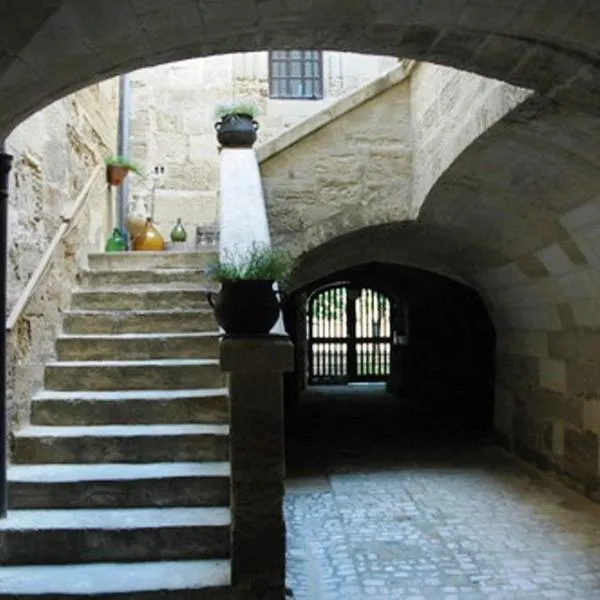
247, 304
118, 167
236, 126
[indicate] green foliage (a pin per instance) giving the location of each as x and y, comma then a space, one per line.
122, 161
330, 306
260, 261
237, 107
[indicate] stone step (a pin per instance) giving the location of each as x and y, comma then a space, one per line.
36, 444
130, 407
164, 580
138, 299
146, 277
138, 346
118, 485
106, 375
140, 261
147, 321
61, 536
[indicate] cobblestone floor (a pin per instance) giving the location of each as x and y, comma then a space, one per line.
454, 522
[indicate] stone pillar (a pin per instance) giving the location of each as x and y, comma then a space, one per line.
255, 367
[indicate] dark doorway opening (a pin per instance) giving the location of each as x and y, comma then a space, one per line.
437, 382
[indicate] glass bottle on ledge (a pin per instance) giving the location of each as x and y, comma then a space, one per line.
150, 239
116, 242
178, 236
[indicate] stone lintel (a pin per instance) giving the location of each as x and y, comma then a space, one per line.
266, 354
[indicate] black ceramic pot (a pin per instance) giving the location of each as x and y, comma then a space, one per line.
236, 131
245, 307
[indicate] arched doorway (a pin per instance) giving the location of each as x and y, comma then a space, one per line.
349, 335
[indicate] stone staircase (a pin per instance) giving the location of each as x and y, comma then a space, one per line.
119, 487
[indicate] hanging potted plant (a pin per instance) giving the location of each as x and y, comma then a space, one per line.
235, 126
247, 304
118, 167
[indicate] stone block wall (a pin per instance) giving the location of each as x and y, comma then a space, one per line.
173, 124
548, 388
449, 110
351, 173
55, 153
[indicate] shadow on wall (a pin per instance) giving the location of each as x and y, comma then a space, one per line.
441, 381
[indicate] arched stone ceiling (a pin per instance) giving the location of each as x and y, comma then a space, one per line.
51, 48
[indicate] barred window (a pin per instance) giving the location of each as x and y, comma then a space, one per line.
296, 74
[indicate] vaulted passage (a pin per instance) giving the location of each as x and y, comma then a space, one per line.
384, 351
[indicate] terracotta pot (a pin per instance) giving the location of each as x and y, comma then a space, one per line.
246, 307
236, 131
150, 239
115, 174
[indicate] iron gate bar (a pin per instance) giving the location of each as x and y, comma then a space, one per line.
349, 335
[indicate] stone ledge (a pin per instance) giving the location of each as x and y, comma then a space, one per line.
268, 354
336, 110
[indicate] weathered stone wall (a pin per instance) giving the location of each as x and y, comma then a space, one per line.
55, 153
450, 109
353, 172
173, 125
536, 265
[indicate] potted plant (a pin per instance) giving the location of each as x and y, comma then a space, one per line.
117, 168
247, 304
235, 126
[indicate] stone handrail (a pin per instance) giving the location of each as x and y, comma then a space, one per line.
37, 276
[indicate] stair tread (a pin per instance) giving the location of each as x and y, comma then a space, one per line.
114, 518
138, 311
154, 362
114, 578
159, 270
58, 431
148, 395
145, 253
138, 336
69, 473
132, 290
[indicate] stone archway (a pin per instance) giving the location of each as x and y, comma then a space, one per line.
516, 215
57, 47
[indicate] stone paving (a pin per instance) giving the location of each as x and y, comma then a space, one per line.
450, 523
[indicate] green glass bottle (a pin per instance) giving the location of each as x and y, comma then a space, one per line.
116, 242
178, 234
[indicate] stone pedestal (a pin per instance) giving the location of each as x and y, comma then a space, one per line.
255, 367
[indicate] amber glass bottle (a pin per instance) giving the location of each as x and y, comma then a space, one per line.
149, 239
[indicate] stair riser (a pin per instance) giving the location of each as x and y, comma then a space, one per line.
194, 594
130, 412
142, 278
133, 261
131, 449
106, 378
99, 545
144, 300
139, 323
172, 491
147, 348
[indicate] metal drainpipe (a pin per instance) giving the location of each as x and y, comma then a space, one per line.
123, 149
5, 167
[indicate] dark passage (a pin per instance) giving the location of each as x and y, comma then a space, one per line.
440, 382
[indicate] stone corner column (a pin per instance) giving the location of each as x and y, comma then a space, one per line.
255, 367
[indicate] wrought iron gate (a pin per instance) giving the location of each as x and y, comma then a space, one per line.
349, 335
